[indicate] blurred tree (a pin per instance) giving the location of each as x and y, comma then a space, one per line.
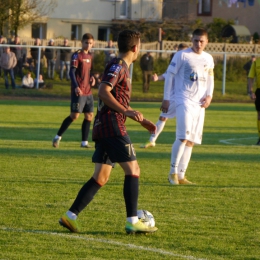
215, 29
19, 13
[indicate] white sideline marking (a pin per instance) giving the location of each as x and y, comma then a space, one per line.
231, 141
106, 241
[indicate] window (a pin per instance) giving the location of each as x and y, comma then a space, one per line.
123, 8
76, 32
39, 30
103, 33
205, 8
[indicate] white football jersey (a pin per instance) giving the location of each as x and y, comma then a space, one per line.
193, 76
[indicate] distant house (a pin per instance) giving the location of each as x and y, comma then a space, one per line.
71, 19
245, 13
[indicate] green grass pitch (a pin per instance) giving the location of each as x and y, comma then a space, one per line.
216, 219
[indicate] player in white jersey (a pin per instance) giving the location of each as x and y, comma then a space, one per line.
171, 111
192, 70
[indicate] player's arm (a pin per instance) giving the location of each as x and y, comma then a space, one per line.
168, 84
147, 124
74, 81
205, 102
104, 93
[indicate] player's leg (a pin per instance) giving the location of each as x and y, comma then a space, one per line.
103, 167
131, 187
153, 137
184, 162
88, 116
64, 126
183, 130
159, 127
85, 196
120, 149
76, 107
196, 131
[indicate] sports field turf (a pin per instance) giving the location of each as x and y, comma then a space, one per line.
216, 219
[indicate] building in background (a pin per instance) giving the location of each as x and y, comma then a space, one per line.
71, 19
244, 13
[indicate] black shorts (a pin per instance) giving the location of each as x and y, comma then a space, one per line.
114, 149
257, 100
82, 104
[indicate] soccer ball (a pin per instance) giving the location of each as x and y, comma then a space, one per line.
146, 217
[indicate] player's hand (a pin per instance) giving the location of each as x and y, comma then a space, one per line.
135, 115
92, 81
205, 102
155, 77
165, 106
78, 91
150, 126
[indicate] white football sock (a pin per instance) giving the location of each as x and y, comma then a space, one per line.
57, 136
159, 127
177, 152
184, 162
71, 215
132, 220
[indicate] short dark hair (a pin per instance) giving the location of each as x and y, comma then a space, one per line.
127, 39
200, 32
87, 36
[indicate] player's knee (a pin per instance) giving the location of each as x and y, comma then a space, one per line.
136, 171
74, 116
89, 116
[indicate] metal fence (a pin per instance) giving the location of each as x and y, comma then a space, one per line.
241, 50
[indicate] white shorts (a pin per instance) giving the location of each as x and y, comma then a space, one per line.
171, 111
189, 122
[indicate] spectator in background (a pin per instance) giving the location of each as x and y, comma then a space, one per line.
34, 54
1, 51
27, 81
41, 83
20, 53
247, 67
146, 64
110, 54
65, 55
8, 62
50, 54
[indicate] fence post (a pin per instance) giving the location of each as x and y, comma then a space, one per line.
224, 74
38, 67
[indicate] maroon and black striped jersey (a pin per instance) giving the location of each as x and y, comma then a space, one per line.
82, 61
108, 122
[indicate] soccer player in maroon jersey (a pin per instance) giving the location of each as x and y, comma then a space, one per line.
112, 143
81, 94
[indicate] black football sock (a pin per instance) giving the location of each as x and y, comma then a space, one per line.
131, 186
85, 196
64, 126
85, 129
